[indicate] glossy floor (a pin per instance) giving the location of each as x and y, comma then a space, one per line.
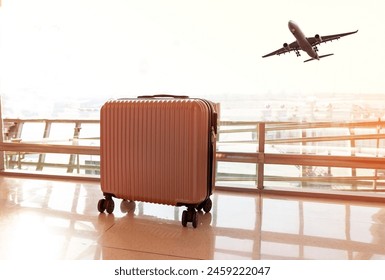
59, 220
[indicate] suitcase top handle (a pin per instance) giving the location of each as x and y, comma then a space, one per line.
164, 96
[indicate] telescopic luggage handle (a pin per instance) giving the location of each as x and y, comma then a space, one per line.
163, 96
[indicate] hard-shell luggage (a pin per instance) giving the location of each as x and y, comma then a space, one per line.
158, 149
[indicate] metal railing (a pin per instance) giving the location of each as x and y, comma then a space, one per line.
327, 155
357, 148
30, 155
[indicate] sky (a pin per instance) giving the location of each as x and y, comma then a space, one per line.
107, 48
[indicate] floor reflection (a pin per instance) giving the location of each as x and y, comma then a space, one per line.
59, 220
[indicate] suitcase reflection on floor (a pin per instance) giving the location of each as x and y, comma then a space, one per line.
155, 230
165, 213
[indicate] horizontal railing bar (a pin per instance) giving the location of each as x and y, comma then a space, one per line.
47, 176
326, 139
238, 157
49, 148
73, 141
326, 178
269, 125
238, 130
58, 165
320, 160
248, 177
252, 124
93, 121
305, 160
237, 142
293, 125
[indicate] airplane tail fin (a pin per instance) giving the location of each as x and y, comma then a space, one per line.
321, 56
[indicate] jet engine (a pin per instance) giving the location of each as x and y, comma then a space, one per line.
318, 38
286, 46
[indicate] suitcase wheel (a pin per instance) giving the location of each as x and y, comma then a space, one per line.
101, 206
127, 206
190, 215
195, 220
184, 218
106, 204
205, 205
110, 205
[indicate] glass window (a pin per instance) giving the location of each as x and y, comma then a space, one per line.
62, 60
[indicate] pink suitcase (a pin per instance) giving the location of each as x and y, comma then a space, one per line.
158, 149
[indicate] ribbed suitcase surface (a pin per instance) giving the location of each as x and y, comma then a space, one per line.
158, 150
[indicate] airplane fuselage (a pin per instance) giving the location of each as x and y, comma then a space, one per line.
302, 41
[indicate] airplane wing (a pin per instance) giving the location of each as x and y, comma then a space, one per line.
290, 47
323, 39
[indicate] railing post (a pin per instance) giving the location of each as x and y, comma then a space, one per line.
261, 155
378, 131
304, 169
2, 165
47, 131
74, 157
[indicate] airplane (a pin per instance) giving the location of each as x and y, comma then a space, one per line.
308, 45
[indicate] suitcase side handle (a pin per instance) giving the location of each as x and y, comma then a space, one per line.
164, 96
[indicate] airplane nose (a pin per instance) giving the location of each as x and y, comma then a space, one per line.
292, 26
